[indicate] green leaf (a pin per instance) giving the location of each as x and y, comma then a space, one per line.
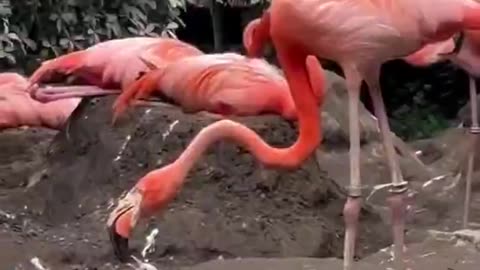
64, 42
132, 30
78, 37
69, 17
9, 49
46, 43
5, 9
53, 17
172, 25
13, 36
10, 58
151, 3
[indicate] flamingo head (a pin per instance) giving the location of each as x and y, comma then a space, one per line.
152, 193
122, 221
256, 35
433, 53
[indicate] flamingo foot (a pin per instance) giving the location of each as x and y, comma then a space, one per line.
398, 208
351, 213
121, 222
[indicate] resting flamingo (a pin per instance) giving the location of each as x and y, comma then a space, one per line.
360, 36
463, 51
225, 83
156, 189
17, 108
106, 67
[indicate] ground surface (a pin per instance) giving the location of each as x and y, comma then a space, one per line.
229, 209
56, 191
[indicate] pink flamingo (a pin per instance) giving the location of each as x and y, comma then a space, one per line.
17, 108
157, 188
464, 51
106, 67
360, 35
225, 84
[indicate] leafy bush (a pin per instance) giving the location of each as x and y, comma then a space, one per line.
47, 28
423, 101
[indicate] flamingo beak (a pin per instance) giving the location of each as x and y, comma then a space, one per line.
458, 41
118, 232
121, 222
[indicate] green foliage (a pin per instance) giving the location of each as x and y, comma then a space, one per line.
417, 123
423, 104
48, 28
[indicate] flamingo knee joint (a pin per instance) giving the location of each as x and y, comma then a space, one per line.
474, 130
399, 188
355, 191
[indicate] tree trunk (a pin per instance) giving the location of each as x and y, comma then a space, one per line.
216, 15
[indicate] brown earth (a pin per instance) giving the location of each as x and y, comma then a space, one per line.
56, 191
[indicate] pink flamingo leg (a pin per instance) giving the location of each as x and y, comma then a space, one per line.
352, 207
474, 130
399, 186
51, 93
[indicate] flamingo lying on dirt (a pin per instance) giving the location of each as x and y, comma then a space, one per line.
157, 188
465, 53
107, 67
226, 84
360, 36
17, 108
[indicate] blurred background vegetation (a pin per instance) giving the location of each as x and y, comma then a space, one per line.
420, 101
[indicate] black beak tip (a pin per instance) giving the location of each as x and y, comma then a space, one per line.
119, 244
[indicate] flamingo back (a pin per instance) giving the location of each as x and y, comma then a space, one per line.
110, 64
365, 31
169, 50
127, 66
225, 83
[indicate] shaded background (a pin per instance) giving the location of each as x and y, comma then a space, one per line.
420, 101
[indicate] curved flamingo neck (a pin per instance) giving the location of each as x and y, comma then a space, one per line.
308, 120
256, 35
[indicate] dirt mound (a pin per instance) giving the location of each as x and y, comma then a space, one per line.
22, 152
229, 207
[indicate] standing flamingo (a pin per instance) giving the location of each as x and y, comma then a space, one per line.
225, 84
110, 65
465, 53
154, 190
17, 108
360, 35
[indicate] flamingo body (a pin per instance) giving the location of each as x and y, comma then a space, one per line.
365, 31
112, 64
360, 35
226, 84
17, 108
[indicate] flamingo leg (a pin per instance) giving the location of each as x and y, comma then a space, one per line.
220, 153
399, 186
52, 93
474, 130
352, 206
